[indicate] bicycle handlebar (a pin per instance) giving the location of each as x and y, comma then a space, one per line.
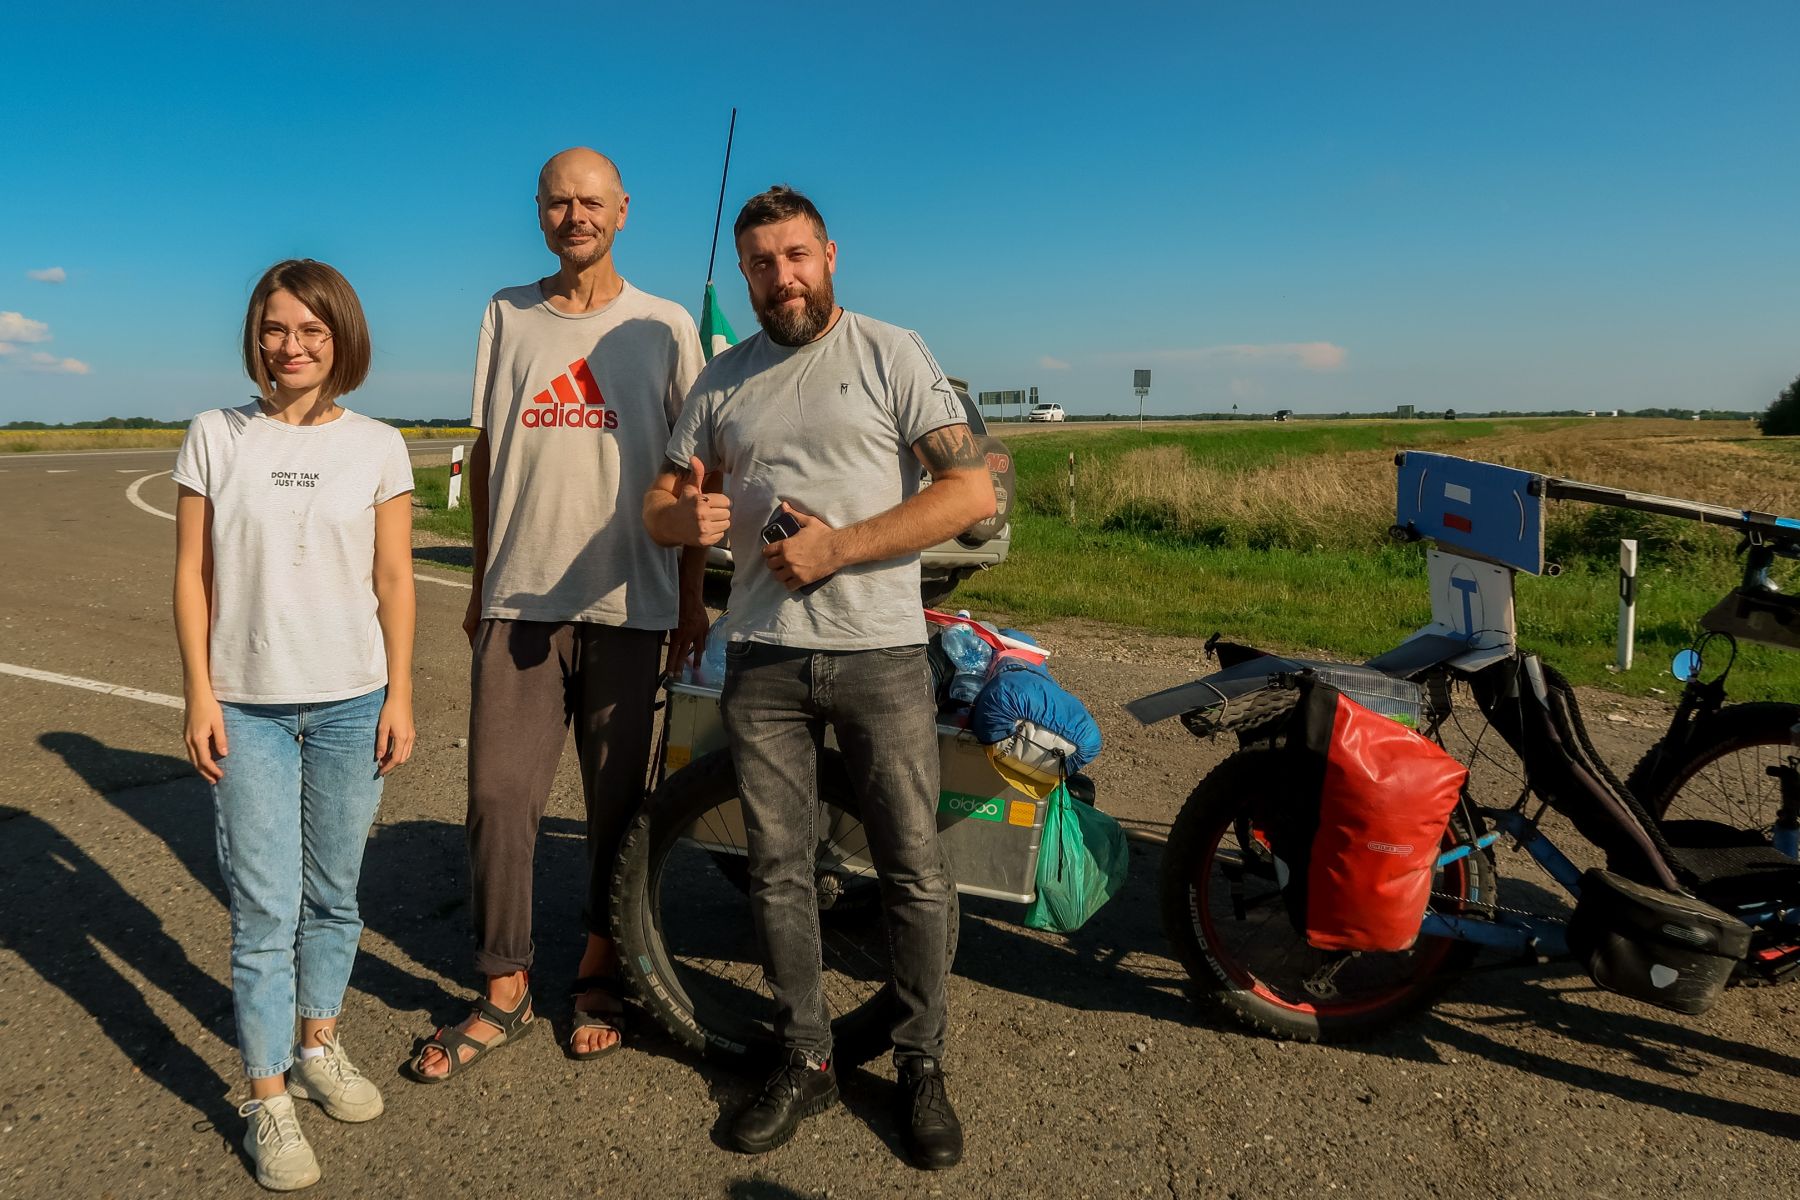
1782, 533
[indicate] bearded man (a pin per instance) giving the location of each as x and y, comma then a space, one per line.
820, 424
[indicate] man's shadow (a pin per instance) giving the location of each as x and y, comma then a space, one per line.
58, 908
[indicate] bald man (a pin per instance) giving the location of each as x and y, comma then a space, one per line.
579, 377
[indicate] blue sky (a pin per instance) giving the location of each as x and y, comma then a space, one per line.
1309, 206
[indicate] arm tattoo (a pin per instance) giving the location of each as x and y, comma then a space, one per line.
953, 447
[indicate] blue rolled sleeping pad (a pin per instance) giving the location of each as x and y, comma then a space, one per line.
1021, 691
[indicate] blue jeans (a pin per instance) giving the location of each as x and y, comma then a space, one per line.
293, 813
776, 704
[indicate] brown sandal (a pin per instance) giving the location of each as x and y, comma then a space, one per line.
613, 1022
448, 1040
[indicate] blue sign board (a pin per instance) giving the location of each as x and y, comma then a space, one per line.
1494, 512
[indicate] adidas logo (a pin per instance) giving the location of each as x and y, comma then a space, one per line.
560, 406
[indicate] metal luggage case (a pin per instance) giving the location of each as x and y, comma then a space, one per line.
990, 830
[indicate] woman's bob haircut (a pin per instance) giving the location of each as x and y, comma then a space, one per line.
331, 299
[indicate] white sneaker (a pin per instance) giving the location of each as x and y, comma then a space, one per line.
284, 1161
333, 1080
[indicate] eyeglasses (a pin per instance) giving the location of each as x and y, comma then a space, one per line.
311, 338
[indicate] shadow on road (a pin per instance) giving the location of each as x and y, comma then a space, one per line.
1117, 962
184, 822
761, 1189
1665, 1047
446, 556
59, 908
414, 894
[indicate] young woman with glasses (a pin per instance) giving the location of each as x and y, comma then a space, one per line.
294, 613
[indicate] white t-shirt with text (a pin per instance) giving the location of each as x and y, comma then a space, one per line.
293, 548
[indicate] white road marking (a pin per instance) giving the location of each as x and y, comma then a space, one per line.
59, 471
125, 470
131, 494
93, 685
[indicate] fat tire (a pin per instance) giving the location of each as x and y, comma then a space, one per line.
1658, 778
1225, 788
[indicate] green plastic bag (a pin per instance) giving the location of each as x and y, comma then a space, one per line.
1082, 863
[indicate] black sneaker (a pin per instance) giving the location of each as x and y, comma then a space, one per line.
797, 1091
928, 1125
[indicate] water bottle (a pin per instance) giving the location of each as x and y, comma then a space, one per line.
711, 671
969, 655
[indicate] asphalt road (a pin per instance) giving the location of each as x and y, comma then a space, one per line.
1079, 1064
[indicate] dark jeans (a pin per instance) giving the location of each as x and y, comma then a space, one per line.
531, 680
776, 704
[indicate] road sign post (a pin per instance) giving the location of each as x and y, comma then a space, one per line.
1628, 562
456, 465
1001, 399
1140, 382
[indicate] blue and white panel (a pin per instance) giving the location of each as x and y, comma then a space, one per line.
1481, 508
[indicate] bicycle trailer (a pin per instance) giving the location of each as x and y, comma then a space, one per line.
990, 830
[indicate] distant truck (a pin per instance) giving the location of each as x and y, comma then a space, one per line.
982, 545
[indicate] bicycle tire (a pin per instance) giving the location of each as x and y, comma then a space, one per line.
1721, 775
682, 919
1226, 972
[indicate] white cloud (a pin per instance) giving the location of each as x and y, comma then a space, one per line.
60, 366
17, 327
48, 275
1310, 356
1052, 364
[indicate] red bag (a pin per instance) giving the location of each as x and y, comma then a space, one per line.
1385, 799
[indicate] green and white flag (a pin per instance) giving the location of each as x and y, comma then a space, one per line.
715, 330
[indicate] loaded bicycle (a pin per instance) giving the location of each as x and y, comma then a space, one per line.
1702, 886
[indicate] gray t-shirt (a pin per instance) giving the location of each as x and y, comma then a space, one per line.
829, 427
293, 542
577, 409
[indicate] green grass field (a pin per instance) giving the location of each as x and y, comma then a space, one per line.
1276, 535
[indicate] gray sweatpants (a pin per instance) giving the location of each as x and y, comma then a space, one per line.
531, 679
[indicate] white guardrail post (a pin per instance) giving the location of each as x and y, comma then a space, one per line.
456, 461
1627, 600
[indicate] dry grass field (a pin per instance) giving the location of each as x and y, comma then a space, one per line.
1277, 534
1342, 498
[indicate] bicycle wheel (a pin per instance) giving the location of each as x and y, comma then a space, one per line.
1224, 912
682, 917
1723, 776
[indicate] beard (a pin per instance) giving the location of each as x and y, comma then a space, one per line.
582, 256
791, 327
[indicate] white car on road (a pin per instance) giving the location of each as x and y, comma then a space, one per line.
1046, 412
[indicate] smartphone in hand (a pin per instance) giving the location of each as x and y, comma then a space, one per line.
784, 525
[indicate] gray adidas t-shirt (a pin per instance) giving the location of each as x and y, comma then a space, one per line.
577, 408
293, 540
829, 427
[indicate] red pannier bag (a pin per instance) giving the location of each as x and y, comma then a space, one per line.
1385, 795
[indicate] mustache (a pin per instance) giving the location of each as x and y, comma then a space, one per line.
792, 291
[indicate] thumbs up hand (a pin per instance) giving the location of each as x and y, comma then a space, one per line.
703, 518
